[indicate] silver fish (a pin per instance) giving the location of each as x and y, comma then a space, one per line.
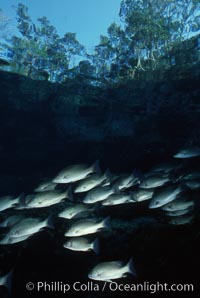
111, 178
179, 212
90, 182
188, 153
12, 240
193, 184
44, 186
126, 181
74, 210
86, 227
118, 199
29, 226
154, 181
191, 176
108, 271
82, 244
7, 202
140, 195
178, 204
44, 199
165, 196
11, 220
99, 194
182, 220
164, 168
75, 173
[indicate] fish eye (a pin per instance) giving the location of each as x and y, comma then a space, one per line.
156, 203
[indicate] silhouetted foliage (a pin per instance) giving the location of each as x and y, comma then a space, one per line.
149, 29
40, 49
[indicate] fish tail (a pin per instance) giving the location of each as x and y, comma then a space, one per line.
21, 201
69, 193
2, 242
2, 225
95, 246
131, 267
96, 167
132, 196
116, 188
184, 187
6, 281
107, 174
106, 222
138, 174
49, 222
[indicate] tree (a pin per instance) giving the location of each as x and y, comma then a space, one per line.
145, 27
41, 49
4, 24
121, 48
152, 26
111, 53
72, 46
185, 14
149, 29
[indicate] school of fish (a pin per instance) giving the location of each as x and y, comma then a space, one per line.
82, 189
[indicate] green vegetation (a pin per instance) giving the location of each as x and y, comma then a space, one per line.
4, 22
149, 30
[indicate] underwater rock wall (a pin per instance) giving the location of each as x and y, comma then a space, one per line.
49, 125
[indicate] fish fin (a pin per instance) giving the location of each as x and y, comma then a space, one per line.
96, 167
69, 193
21, 201
2, 224
138, 174
184, 187
105, 183
129, 200
106, 222
6, 281
132, 196
107, 174
116, 188
49, 222
130, 267
95, 246
134, 179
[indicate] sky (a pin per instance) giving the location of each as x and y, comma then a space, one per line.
87, 18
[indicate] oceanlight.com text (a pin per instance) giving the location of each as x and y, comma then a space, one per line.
62, 287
